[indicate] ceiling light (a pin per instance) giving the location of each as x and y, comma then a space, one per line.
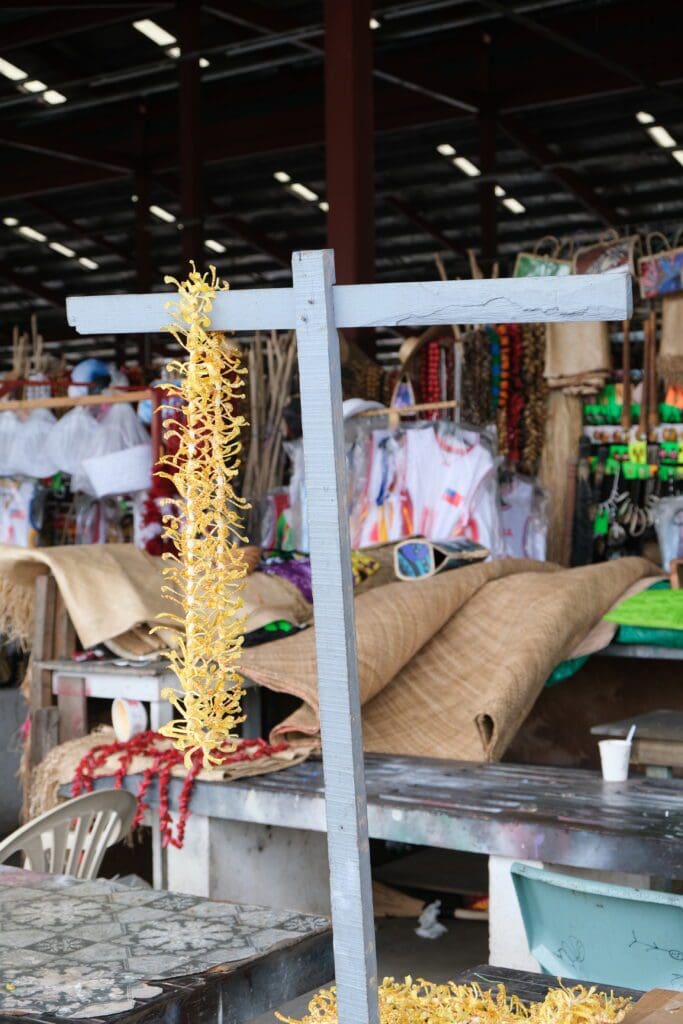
154, 32
324, 206
282, 176
134, 198
304, 192
514, 205
500, 191
89, 264
53, 97
35, 236
215, 246
661, 136
467, 167
374, 24
162, 214
642, 117
11, 71
173, 51
446, 149
63, 250
204, 63
677, 155
11, 222
34, 85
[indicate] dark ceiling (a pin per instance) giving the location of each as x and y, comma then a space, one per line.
566, 79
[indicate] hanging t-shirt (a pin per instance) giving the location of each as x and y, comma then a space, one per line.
524, 530
446, 484
382, 514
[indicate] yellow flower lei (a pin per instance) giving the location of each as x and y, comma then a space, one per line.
206, 572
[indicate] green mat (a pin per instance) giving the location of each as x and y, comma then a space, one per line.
660, 607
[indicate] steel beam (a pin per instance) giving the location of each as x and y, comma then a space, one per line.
349, 139
416, 218
191, 136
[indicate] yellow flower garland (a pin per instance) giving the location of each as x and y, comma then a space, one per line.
416, 1002
206, 572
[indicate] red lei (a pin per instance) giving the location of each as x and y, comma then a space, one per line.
163, 760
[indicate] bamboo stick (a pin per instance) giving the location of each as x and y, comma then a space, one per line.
626, 366
652, 404
67, 402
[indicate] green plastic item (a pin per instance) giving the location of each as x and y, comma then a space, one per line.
650, 637
565, 670
657, 608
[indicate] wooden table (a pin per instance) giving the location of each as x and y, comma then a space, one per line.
102, 951
264, 838
657, 744
528, 986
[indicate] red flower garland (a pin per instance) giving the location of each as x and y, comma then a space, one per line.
164, 759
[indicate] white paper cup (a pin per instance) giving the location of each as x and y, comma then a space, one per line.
129, 718
615, 756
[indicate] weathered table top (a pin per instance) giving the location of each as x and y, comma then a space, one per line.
102, 951
663, 725
561, 816
529, 987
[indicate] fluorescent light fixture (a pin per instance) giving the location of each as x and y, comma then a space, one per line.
53, 97
446, 149
35, 236
89, 264
63, 250
162, 214
204, 63
154, 32
467, 167
324, 206
661, 136
642, 117
11, 222
174, 52
304, 192
374, 24
500, 191
514, 205
11, 71
677, 155
34, 85
282, 176
215, 246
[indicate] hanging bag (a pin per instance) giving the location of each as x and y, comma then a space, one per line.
661, 273
610, 253
543, 264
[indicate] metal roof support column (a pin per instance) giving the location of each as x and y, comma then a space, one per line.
190, 136
349, 142
487, 160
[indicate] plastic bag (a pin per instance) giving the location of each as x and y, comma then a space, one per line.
9, 425
120, 429
73, 439
29, 452
524, 515
669, 526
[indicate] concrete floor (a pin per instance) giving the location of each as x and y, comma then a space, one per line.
401, 952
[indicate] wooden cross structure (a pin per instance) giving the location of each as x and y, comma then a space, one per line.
315, 307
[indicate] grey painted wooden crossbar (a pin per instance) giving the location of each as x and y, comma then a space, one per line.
315, 307
508, 300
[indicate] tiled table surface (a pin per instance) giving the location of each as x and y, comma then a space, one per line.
89, 950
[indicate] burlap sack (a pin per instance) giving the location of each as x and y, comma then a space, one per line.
670, 360
574, 349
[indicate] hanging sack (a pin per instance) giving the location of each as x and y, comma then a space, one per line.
72, 439
29, 453
661, 273
543, 264
610, 253
670, 359
575, 349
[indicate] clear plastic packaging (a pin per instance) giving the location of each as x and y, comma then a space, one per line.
120, 429
73, 439
524, 516
30, 450
9, 425
669, 526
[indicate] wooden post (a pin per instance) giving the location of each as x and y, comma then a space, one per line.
487, 159
143, 247
335, 633
190, 136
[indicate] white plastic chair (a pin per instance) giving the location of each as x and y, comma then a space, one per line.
71, 839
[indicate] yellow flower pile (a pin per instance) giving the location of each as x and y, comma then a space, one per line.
206, 572
423, 1002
